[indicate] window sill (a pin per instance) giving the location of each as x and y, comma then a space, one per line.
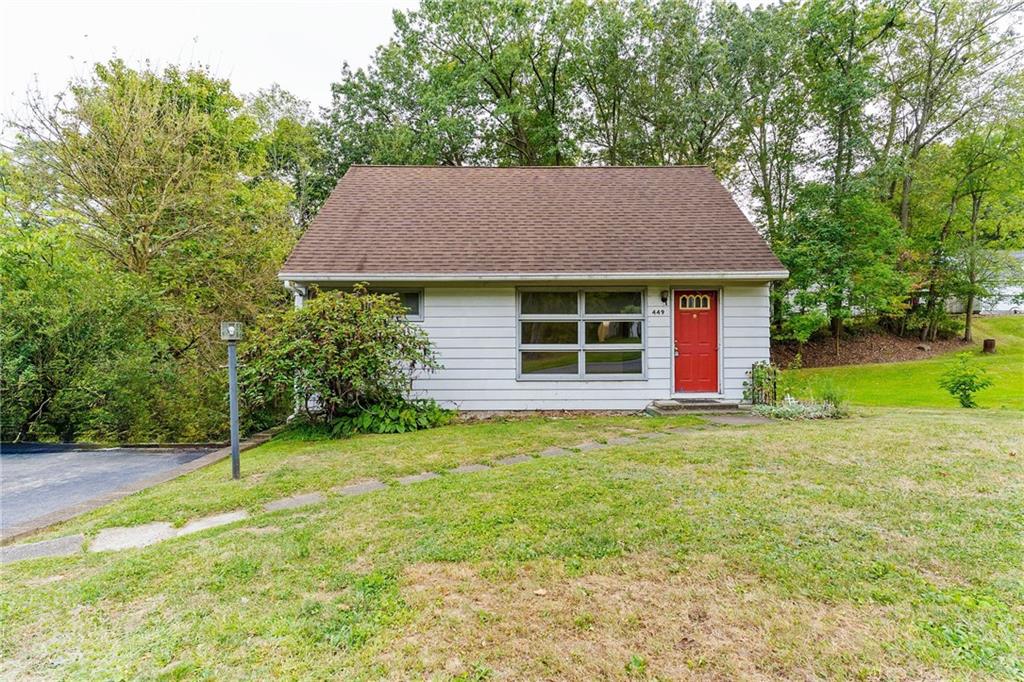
586, 377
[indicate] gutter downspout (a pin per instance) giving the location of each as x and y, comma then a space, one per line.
298, 291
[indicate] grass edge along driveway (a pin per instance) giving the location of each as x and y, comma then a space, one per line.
886, 545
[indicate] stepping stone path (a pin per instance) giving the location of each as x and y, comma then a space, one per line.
514, 459
360, 488
212, 522
134, 536
737, 419
150, 533
65, 546
294, 502
469, 468
416, 478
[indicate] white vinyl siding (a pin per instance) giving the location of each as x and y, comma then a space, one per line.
474, 330
746, 313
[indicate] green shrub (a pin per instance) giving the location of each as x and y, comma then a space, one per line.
397, 417
963, 379
801, 326
342, 355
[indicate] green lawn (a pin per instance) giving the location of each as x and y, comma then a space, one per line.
888, 545
915, 384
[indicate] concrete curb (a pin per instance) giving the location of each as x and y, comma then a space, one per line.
19, 531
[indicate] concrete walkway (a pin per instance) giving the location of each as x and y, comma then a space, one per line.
120, 538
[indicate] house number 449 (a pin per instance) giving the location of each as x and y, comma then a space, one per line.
659, 311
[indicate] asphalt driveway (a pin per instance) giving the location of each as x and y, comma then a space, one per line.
41, 478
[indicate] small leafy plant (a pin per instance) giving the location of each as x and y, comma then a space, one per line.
829, 392
963, 379
762, 386
394, 417
792, 409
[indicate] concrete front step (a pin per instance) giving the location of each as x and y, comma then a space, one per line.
693, 406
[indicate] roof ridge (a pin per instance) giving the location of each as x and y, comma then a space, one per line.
441, 166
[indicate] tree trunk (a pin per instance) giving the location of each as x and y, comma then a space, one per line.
836, 325
968, 318
972, 266
905, 203
929, 310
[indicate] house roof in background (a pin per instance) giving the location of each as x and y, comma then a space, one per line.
441, 222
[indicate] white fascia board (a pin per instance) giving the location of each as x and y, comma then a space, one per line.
760, 275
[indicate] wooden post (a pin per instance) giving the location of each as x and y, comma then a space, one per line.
988, 346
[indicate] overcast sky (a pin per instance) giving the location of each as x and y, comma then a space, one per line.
300, 44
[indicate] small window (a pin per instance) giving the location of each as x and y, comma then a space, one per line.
581, 334
412, 299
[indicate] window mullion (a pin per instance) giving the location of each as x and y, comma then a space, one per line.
580, 341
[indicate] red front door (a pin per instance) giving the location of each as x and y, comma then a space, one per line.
696, 341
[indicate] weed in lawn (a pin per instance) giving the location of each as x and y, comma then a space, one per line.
636, 666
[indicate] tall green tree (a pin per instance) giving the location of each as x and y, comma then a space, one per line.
695, 77
968, 209
160, 177
947, 62
73, 341
842, 253
291, 149
775, 119
606, 67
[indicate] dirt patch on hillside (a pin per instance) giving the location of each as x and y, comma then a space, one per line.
862, 349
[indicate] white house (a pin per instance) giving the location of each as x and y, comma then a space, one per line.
555, 287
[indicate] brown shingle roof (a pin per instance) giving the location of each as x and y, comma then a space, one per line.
405, 220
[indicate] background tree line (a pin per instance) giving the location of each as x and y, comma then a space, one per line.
878, 145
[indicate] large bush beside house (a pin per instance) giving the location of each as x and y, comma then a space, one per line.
348, 358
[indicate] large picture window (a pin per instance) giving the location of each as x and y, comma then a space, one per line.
581, 334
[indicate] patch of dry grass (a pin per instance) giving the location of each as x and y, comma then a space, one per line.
701, 622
